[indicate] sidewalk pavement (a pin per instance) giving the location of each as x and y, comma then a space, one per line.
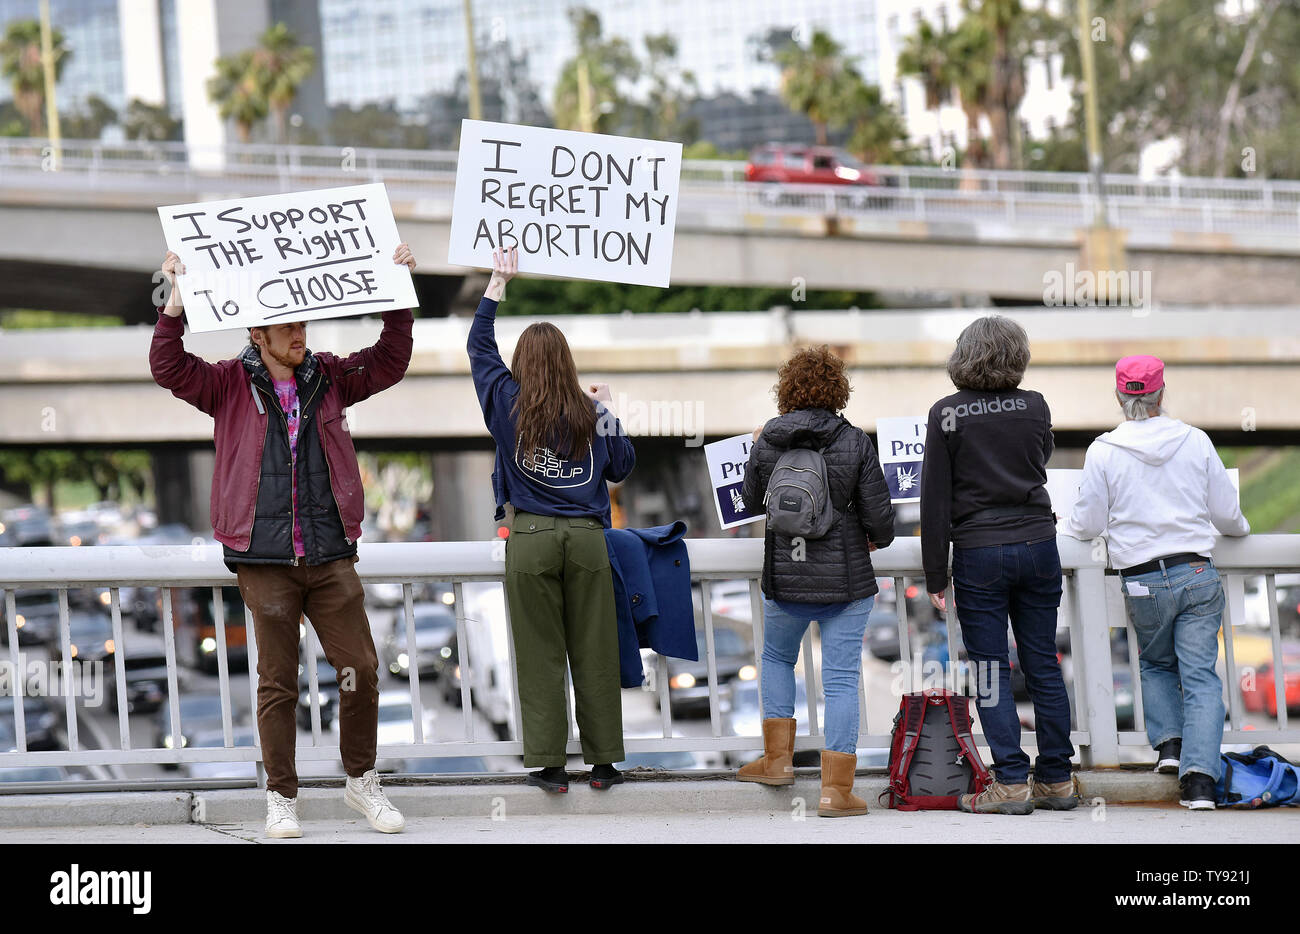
1118, 806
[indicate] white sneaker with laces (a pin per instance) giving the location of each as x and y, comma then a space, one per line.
364, 794
281, 816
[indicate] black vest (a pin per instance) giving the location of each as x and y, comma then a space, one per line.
318, 514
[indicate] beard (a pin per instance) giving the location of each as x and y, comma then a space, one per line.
290, 358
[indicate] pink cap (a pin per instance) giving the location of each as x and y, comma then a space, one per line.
1139, 374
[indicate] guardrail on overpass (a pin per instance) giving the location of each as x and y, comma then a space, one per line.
710, 187
1091, 610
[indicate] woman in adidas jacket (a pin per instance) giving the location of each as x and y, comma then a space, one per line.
828, 579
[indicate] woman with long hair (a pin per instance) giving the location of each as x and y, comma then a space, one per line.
828, 579
557, 445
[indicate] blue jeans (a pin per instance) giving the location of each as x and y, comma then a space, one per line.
1022, 582
1177, 625
841, 666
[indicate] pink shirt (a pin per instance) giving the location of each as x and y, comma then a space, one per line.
287, 392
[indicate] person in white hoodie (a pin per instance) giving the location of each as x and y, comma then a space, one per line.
1156, 489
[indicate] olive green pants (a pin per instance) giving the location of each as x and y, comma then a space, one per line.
561, 595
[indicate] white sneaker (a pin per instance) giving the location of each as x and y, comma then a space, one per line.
281, 816
364, 794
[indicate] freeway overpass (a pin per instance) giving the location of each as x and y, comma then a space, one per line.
81, 238
688, 376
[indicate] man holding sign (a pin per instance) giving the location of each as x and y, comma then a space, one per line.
287, 505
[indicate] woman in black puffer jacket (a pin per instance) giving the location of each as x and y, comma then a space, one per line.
828, 579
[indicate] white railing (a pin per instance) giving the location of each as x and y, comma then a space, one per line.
1090, 609
714, 189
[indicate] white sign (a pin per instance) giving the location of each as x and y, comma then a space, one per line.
290, 257
581, 205
727, 460
900, 444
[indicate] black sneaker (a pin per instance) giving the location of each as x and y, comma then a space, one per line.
603, 776
1197, 791
552, 779
1167, 755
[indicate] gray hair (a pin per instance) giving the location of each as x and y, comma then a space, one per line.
991, 355
1139, 407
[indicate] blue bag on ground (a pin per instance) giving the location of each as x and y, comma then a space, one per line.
1261, 778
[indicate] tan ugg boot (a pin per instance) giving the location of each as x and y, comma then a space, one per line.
838, 799
777, 765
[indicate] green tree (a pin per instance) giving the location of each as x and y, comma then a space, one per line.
239, 93
672, 91
150, 122
878, 129
88, 123
20, 62
928, 55
819, 81
589, 94
281, 64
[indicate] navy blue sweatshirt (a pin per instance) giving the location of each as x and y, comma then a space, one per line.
543, 483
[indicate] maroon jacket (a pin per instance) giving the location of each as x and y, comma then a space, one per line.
224, 390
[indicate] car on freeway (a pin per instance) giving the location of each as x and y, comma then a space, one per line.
212, 739
1259, 693
36, 617
90, 635
200, 711
144, 664
435, 625
327, 694
801, 164
688, 681
39, 720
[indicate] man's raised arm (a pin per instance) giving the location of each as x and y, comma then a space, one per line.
190, 378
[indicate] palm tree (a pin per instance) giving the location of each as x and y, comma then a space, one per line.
20, 62
238, 93
926, 54
282, 65
1000, 22
818, 81
877, 127
587, 95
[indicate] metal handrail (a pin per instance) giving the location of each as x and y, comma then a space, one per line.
912, 192
1090, 609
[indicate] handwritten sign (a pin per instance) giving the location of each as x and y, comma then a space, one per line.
581, 205
290, 257
901, 444
727, 460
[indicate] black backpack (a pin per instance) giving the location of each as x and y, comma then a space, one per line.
798, 498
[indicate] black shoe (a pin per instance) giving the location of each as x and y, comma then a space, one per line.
1167, 755
552, 779
603, 776
1197, 791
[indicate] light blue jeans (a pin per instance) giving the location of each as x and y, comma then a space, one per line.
1177, 624
841, 666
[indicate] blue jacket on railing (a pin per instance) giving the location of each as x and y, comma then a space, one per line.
652, 592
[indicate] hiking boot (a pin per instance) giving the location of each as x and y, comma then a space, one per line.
364, 794
281, 816
1197, 791
838, 799
1167, 755
998, 798
777, 765
552, 779
604, 776
1055, 796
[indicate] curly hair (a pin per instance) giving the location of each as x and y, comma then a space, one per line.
990, 356
814, 378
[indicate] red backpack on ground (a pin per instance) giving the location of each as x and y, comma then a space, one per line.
932, 758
